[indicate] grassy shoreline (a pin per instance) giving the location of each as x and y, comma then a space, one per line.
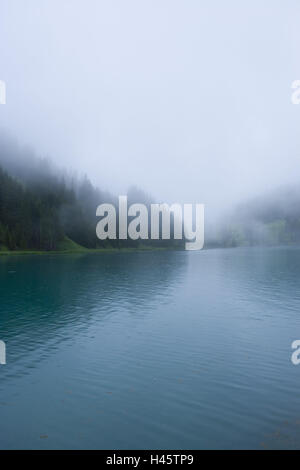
68, 246
82, 251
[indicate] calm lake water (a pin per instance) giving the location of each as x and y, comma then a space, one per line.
174, 350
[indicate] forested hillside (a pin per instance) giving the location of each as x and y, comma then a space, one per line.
43, 208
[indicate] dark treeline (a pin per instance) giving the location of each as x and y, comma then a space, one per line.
42, 208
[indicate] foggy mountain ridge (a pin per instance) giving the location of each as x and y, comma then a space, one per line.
270, 218
60, 204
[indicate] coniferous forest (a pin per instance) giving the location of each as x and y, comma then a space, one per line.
43, 208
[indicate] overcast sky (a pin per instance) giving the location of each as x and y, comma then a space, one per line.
188, 99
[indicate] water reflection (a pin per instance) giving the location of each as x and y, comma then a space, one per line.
151, 350
49, 299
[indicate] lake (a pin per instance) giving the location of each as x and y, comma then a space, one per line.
151, 350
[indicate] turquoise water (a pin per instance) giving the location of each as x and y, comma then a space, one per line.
172, 350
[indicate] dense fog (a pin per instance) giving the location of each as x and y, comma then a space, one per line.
189, 102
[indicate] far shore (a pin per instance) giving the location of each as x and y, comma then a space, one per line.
84, 251
81, 250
